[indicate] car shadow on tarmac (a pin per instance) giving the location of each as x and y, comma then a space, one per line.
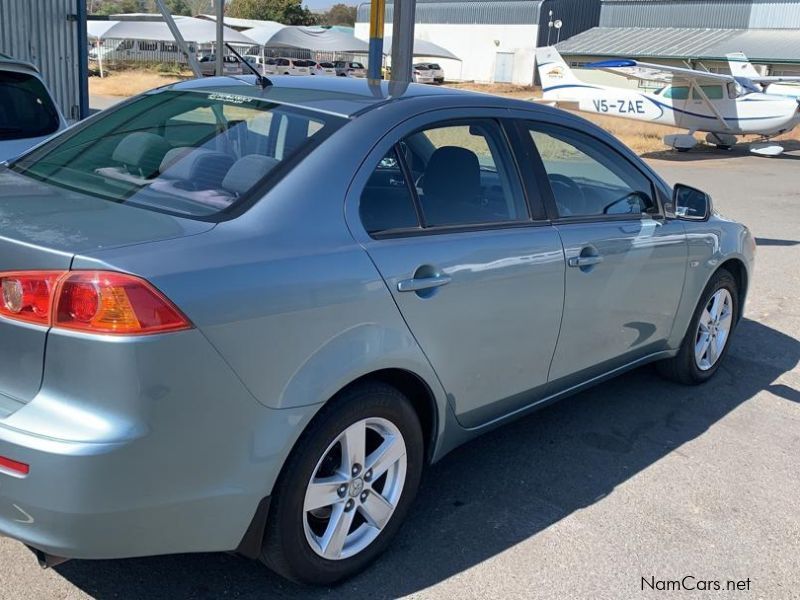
498, 490
705, 152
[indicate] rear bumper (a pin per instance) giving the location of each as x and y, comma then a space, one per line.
175, 462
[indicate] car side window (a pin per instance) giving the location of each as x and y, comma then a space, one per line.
387, 201
587, 178
464, 175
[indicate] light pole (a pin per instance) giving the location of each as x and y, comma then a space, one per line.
558, 24
549, 26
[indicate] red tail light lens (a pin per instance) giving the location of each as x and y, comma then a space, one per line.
14, 466
92, 301
26, 295
105, 302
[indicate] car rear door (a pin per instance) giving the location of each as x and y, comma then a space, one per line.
475, 270
625, 262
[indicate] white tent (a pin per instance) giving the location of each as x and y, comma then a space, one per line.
422, 48
194, 30
306, 38
263, 34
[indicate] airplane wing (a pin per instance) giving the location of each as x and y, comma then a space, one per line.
634, 69
776, 79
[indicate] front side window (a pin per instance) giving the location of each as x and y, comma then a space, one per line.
26, 110
712, 92
193, 153
588, 179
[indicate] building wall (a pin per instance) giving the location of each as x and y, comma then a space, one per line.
477, 46
48, 33
718, 14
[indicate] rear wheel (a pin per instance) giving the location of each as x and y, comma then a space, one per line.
346, 487
708, 338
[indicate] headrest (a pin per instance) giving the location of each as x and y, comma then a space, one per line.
141, 151
453, 172
247, 171
173, 156
200, 167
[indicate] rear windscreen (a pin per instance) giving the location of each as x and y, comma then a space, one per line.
192, 153
26, 110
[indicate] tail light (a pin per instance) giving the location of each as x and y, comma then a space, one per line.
93, 301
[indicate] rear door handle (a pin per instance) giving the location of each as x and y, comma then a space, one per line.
423, 283
584, 261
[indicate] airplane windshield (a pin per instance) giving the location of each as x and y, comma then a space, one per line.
745, 86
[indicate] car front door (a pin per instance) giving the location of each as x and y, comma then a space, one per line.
625, 262
479, 281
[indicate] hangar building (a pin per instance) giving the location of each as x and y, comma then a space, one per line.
697, 33
496, 40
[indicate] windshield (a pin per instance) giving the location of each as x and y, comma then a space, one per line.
193, 153
26, 110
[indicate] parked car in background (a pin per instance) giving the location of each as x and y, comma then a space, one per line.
293, 66
345, 68
208, 65
435, 69
28, 114
207, 347
324, 68
265, 66
421, 74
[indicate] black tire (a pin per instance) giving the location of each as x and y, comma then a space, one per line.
683, 367
285, 549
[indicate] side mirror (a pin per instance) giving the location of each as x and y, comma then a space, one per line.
690, 203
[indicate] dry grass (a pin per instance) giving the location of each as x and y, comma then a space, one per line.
129, 83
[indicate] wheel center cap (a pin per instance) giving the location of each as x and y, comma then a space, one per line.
356, 487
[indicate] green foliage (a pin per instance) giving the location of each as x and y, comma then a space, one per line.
340, 14
289, 12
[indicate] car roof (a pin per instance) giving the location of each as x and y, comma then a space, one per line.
341, 96
16, 64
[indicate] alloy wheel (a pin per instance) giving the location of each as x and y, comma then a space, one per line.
355, 488
713, 330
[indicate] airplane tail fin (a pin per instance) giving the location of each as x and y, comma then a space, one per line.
553, 71
740, 65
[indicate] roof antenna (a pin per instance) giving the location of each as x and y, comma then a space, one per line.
262, 81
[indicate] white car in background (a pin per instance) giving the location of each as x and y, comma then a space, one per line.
422, 74
28, 115
293, 66
436, 71
327, 69
347, 68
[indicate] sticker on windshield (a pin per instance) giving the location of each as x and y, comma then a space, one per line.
231, 98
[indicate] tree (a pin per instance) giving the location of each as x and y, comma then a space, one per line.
340, 14
289, 12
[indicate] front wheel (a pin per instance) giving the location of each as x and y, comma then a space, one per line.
346, 487
708, 338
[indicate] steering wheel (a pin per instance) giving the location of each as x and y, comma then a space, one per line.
565, 188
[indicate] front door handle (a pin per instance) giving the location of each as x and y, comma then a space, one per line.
423, 283
584, 261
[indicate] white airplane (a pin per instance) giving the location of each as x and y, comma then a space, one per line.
779, 85
719, 105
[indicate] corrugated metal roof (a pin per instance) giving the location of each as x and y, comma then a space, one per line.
760, 45
505, 12
719, 14
45, 33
